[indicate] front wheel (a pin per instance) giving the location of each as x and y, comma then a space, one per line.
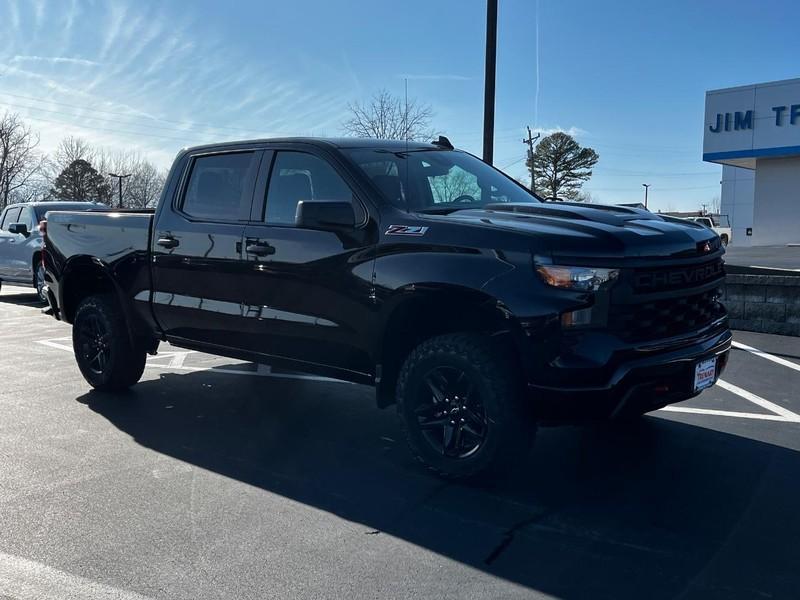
103, 349
459, 403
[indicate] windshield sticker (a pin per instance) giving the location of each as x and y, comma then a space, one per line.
406, 230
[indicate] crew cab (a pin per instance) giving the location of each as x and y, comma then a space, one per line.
477, 309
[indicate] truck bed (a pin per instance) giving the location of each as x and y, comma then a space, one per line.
117, 243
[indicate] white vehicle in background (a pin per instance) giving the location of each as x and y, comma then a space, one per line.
720, 224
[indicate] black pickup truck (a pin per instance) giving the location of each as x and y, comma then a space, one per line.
476, 308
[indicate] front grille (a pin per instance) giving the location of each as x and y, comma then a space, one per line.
665, 318
663, 279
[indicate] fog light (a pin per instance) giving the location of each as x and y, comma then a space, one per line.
576, 318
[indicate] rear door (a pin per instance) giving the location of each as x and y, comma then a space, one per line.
7, 268
196, 248
307, 297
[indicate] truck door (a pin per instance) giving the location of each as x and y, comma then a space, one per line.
22, 247
196, 249
307, 291
8, 243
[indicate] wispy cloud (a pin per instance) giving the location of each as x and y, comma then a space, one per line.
56, 60
435, 77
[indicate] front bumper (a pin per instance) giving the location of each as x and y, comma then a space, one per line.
641, 381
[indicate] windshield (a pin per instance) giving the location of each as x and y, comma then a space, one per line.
437, 180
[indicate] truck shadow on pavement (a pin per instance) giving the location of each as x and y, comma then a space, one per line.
658, 510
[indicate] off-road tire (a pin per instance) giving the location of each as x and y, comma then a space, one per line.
124, 364
510, 428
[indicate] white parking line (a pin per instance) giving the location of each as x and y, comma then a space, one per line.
762, 354
779, 413
723, 413
24, 579
777, 409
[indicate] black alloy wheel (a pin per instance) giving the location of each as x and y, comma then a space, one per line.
450, 413
94, 344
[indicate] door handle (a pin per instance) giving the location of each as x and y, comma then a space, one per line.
167, 242
259, 248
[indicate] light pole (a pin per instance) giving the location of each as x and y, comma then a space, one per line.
119, 179
646, 187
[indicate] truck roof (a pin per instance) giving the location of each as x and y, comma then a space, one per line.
342, 142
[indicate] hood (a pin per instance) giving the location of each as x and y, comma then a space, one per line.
581, 230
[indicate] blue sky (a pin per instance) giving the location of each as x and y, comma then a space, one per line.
627, 78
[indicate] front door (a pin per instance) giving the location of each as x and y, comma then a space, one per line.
307, 292
10, 245
196, 247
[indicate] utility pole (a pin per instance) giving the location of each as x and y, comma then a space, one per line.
646, 187
119, 179
489, 81
529, 140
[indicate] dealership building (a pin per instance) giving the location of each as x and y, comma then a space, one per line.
753, 131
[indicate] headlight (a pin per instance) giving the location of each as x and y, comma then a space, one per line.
584, 279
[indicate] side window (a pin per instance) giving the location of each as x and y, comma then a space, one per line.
26, 216
3, 219
12, 216
300, 176
217, 185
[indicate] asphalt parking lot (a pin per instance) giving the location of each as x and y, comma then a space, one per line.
219, 479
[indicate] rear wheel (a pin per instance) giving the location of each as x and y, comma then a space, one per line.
724, 239
459, 403
103, 349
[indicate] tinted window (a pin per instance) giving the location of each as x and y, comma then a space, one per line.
299, 176
217, 186
12, 216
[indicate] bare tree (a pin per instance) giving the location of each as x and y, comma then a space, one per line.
20, 162
145, 186
388, 117
715, 205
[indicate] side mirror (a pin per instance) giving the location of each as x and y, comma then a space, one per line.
334, 216
18, 228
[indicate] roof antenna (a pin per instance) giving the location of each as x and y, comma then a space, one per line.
405, 131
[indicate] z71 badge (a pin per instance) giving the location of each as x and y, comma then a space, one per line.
406, 230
